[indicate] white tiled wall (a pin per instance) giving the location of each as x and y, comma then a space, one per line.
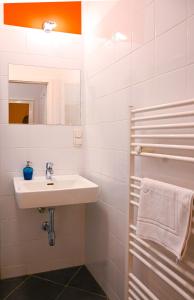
108, 76
23, 245
154, 65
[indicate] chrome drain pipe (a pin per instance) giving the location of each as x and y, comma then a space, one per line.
49, 226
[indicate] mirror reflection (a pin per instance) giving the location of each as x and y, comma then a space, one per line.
44, 95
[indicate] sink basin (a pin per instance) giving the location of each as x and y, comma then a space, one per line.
62, 190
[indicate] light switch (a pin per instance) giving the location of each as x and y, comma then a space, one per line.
77, 136
77, 132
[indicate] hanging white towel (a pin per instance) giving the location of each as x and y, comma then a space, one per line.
165, 215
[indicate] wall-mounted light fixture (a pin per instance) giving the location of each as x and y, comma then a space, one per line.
48, 26
32, 14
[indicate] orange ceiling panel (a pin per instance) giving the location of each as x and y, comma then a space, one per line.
67, 15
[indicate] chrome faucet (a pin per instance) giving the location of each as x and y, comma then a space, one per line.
49, 170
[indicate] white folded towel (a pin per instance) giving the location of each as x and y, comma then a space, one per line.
165, 215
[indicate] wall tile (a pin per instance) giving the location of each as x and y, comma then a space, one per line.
10, 210
13, 256
92, 160
171, 86
21, 234
122, 165
6, 182
116, 253
13, 271
143, 63
113, 135
155, 71
106, 153
3, 88
190, 81
36, 60
3, 112
143, 26
169, 13
190, 49
101, 58
112, 164
190, 7
165, 88
13, 136
112, 274
139, 4
62, 159
108, 162
13, 159
14, 231
9, 38
114, 193
119, 76
121, 19
54, 45
171, 49
50, 136
142, 93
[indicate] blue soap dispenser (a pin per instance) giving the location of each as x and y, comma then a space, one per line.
28, 171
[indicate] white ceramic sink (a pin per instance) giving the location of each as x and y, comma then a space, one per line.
62, 190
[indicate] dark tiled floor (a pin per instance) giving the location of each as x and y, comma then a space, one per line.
8, 285
67, 284
85, 281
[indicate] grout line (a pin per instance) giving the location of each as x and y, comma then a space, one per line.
68, 148
152, 77
99, 284
171, 27
48, 280
188, 39
108, 149
76, 273
156, 36
60, 293
89, 292
76, 288
96, 172
59, 284
19, 285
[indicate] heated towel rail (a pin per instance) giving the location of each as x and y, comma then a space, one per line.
156, 140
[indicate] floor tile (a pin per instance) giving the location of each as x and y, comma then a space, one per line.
59, 276
7, 285
36, 289
85, 281
75, 294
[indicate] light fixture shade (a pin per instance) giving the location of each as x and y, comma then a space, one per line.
67, 14
48, 26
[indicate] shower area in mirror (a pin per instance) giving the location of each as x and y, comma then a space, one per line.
27, 102
40, 95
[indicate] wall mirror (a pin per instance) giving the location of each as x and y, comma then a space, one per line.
39, 95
